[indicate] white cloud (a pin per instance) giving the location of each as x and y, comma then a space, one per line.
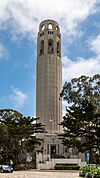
24, 16
80, 67
3, 52
3, 12
94, 44
18, 97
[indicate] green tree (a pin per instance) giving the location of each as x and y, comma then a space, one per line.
17, 134
82, 120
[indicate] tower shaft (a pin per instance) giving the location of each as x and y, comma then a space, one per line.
49, 75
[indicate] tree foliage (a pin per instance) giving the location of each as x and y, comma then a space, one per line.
82, 120
17, 134
79, 89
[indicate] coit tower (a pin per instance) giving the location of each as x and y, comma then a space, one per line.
49, 75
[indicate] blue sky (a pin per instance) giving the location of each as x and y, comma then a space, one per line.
19, 20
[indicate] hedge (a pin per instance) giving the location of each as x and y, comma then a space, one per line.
66, 167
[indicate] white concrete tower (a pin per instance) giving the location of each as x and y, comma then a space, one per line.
49, 75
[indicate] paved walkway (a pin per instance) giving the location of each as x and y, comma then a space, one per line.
39, 174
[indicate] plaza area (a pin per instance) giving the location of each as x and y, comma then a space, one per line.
39, 174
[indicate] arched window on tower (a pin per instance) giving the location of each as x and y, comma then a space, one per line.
58, 49
43, 27
50, 26
50, 46
41, 47
57, 28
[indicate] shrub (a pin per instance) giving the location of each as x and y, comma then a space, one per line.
94, 170
67, 167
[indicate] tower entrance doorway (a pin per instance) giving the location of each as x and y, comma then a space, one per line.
53, 151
